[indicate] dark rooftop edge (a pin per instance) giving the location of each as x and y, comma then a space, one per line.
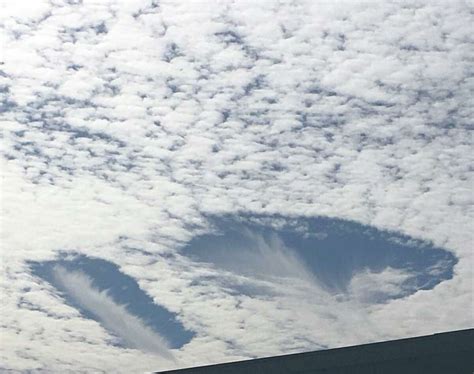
446, 352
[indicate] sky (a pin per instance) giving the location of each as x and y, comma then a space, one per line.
193, 182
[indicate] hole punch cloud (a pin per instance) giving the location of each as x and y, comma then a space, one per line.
100, 291
335, 256
114, 317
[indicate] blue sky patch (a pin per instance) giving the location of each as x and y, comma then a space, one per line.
120, 288
335, 253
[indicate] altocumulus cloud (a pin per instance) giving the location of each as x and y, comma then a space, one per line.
127, 123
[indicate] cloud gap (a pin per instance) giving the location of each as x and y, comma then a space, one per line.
335, 256
101, 292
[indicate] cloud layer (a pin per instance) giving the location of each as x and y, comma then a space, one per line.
126, 123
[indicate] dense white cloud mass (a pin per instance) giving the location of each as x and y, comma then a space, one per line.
125, 122
370, 286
